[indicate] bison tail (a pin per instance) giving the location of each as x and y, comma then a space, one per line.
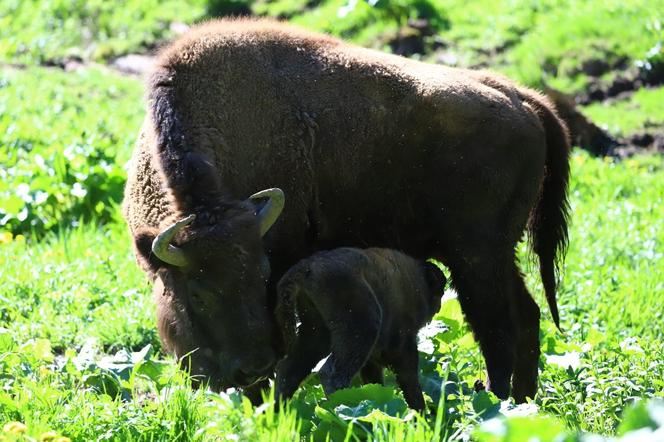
547, 226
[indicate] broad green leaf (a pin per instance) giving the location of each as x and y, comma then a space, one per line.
643, 415
486, 404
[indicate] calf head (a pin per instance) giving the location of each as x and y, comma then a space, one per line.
211, 272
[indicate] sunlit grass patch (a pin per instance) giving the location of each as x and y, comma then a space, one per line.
82, 283
36, 31
64, 139
565, 34
641, 111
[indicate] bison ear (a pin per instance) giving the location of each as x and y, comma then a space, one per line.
143, 247
435, 277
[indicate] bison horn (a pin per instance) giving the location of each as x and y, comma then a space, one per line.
162, 248
269, 213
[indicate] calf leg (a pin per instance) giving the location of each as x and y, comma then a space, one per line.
527, 315
310, 346
354, 326
352, 343
372, 373
405, 364
484, 293
255, 392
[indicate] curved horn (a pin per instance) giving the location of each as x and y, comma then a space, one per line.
162, 248
272, 209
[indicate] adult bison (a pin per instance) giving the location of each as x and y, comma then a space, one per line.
370, 149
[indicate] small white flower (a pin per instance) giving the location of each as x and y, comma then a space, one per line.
78, 191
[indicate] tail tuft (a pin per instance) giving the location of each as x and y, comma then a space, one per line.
547, 226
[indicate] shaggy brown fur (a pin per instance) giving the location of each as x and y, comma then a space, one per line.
370, 149
366, 306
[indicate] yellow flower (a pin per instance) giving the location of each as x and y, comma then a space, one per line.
14, 427
579, 159
49, 436
52, 436
6, 237
19, 238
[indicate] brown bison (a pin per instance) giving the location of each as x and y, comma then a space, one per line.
370, 149
366, 306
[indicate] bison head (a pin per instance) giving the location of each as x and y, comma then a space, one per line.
211, 271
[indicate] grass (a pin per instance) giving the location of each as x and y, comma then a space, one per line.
567, 33
537, 42
38, 31
641, 111
64, 139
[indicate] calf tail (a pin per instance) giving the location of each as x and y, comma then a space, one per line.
285, 311
547, 226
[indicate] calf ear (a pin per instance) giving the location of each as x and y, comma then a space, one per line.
143, 247
435, 278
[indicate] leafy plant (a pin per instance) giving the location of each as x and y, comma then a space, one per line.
64, 138
55, 30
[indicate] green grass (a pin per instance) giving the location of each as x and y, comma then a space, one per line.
566, 33
53, 30
613, 294
60, 292
64, 139
641, 111
537, 42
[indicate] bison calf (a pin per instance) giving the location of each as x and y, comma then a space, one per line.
364, 307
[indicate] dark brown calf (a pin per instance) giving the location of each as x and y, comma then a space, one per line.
364, 307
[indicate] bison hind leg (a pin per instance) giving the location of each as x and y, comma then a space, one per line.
485, 293
524, 381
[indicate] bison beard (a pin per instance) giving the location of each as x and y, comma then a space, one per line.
370, 149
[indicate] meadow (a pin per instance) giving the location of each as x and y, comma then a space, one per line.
80, 358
